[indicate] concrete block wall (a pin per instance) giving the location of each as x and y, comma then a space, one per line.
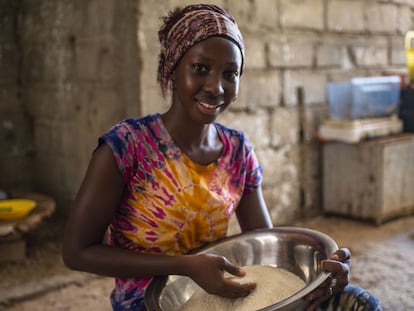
292, 47
15, 126
71, 69
76, 64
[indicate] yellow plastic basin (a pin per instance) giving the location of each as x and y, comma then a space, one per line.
14, 209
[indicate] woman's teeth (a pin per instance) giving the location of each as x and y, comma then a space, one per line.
205, 105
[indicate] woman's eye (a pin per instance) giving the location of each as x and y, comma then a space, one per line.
199, 68
232, 75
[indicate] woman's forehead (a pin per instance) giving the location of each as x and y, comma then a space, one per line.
218, 49
185, 28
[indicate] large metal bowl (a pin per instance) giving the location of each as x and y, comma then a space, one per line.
298, 250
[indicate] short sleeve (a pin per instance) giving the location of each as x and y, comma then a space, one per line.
122, 141
254, 172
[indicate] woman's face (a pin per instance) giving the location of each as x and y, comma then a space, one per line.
206, 79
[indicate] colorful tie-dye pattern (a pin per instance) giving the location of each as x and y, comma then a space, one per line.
171, 204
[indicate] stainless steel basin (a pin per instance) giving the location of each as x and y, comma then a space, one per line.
298, 250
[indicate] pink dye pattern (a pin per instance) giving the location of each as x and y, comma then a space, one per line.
171, 204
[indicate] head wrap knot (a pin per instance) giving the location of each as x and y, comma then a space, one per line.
184, 28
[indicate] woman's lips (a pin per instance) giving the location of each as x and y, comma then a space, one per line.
208, 108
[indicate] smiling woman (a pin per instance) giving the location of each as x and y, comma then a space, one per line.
165, 184
185, 28
206, 80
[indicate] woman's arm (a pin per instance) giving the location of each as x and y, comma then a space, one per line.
252, 212
92, 212
96, 202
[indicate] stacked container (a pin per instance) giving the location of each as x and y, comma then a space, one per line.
363, 107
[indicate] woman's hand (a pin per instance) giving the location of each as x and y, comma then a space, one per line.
208, 270
338, 264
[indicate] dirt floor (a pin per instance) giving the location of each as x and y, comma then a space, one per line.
382, 262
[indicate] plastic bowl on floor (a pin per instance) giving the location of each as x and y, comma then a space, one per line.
298, 250
15, 209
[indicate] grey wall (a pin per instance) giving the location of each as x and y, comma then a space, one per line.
70, 69
291, 46
16, 150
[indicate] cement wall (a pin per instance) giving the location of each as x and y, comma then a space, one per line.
70, 69
293, 48
75, 69
16, 150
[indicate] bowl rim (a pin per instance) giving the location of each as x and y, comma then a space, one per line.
158, 282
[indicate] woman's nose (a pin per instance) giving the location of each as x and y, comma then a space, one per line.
214, 85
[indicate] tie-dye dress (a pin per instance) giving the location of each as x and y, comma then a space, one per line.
171, 204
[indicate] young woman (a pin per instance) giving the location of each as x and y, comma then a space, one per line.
167, 183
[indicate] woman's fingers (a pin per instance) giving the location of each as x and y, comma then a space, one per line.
343, 254
338, 265
210, 275
335, 266
340, 275
231, 268
233, 289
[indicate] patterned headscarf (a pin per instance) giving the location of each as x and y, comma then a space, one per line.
184, 28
